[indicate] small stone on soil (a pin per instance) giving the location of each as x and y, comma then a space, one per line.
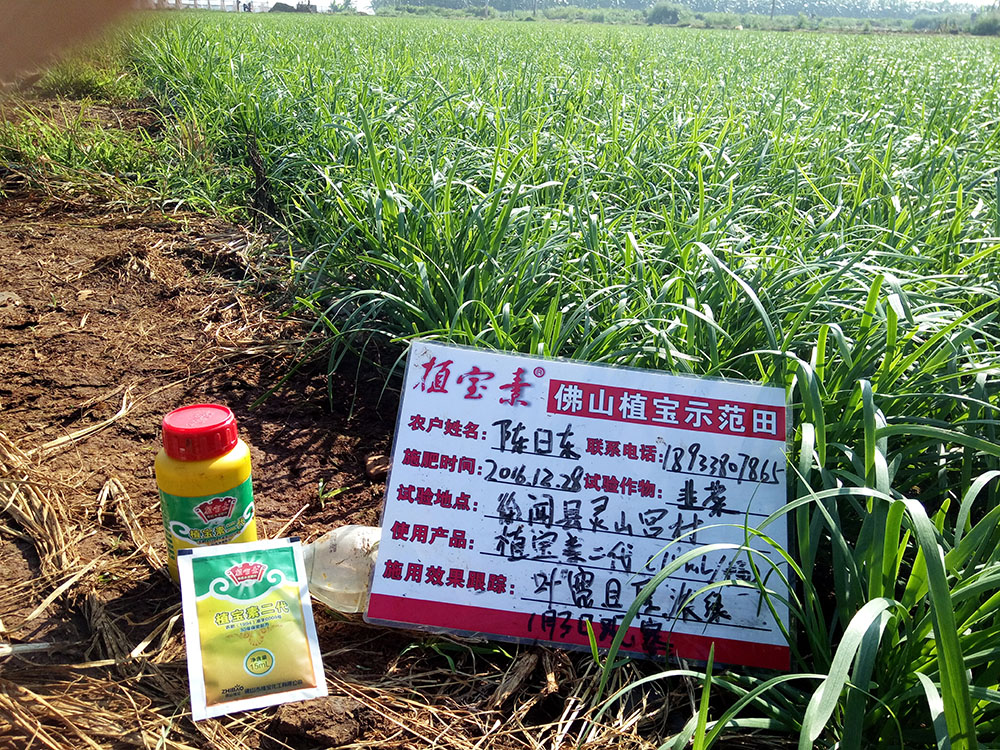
377, 467
332, 721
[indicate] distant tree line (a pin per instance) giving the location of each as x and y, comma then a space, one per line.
873, 9
832, 8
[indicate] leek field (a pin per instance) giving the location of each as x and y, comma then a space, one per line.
817, 211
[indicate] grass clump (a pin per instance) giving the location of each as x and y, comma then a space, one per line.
80, 79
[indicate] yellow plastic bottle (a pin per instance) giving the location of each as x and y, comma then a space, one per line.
203, 475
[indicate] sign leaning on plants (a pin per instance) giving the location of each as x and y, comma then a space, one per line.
528, 496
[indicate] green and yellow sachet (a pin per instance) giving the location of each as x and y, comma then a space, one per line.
251, 637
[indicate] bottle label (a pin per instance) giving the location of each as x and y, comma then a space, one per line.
212, 519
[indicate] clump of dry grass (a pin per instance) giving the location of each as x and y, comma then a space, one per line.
123, 691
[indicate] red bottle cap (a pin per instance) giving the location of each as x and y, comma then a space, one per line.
194, 433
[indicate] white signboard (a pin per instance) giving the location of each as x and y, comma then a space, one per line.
530, 495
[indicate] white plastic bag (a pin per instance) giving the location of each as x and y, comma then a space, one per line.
339, 566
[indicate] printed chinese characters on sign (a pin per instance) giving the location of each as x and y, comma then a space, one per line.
530, 496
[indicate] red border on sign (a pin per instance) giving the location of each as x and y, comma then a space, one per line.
694, 413
462, 617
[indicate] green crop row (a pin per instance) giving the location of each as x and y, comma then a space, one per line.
817, 212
